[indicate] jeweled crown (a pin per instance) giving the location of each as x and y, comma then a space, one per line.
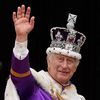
67, 39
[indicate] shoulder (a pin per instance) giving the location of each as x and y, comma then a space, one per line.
73, 88
82, 97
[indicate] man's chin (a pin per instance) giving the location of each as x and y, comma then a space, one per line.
63, 79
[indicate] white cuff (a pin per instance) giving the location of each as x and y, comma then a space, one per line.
20, 50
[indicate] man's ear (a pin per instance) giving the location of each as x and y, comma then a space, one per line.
47, 58
77, 63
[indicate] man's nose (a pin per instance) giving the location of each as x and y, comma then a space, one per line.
65, 64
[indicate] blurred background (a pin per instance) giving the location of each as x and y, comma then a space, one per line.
48, 14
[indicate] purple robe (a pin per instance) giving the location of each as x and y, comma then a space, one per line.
27, 87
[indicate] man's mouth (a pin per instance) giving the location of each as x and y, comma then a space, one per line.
64, 72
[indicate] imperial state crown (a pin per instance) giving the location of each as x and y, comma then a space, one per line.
66, 40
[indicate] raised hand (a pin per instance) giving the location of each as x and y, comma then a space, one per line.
23, 23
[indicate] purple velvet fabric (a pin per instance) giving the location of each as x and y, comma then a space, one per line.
27, 87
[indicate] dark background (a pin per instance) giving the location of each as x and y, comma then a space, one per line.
51, 13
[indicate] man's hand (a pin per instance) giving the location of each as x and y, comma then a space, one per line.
23, 23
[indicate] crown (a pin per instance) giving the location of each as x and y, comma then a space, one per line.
66, 41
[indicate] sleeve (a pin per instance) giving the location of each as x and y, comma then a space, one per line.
20, 71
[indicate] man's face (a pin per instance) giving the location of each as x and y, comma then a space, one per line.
61, 67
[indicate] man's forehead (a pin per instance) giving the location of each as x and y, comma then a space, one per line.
61, 55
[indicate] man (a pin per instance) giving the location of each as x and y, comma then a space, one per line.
63, 58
